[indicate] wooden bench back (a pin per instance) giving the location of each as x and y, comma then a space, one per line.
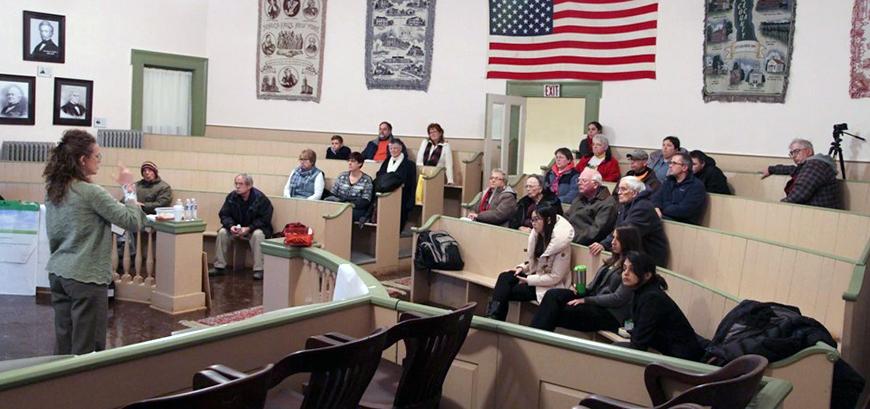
836, 232
760, 270
488, 250
856, 194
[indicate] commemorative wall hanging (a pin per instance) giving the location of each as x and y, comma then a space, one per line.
747, 49
290, 49
399, 37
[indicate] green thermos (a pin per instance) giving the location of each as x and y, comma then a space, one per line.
580, 282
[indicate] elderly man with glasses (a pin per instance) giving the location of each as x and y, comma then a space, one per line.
498, 203
813, 177
593, 212
682, 196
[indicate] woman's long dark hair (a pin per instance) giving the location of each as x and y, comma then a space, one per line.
629, 240
642, 264
63, 163
548, 216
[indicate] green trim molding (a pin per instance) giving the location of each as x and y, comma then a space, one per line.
183, 227
590, 91
199, 88
18, 205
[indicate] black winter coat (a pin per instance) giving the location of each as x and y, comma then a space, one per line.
641, 213
525, 202
256, 215
660, 324
713, 178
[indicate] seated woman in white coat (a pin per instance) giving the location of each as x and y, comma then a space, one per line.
548, 266
434, 151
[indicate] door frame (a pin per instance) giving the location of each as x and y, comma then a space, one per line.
590, 91
140, 59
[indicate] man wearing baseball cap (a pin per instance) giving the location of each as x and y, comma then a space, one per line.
638, 168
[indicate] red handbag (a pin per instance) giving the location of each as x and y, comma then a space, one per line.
298, 235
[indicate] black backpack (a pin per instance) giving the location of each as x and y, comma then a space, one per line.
438, 250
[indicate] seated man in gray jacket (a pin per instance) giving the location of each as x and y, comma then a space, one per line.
593, 212
498, 203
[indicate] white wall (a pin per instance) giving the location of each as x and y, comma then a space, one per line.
640, 113
99, 36
637, 113
457, 90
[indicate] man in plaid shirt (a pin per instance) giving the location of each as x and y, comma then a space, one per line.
813, 177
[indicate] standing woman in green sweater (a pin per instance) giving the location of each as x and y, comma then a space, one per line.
79, 215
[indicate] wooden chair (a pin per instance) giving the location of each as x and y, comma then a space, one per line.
431, 344
339, 373
730, 387
213, 390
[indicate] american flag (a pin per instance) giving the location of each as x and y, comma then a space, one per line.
597, 40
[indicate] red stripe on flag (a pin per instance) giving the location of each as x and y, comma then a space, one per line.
637, 11
630, 59
589, 45
572, 75
628, 28
590, 1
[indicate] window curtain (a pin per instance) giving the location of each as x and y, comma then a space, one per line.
166, 101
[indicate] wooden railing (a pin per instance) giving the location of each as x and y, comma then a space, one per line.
137, 279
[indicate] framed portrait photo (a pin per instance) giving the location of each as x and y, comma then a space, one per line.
44, 37
17, 99
73, 102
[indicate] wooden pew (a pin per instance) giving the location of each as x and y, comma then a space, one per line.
836, 232
467, 165
483, 248
826, 287
749, 163
498, 366
856, 193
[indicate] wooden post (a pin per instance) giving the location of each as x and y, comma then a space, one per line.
179, 258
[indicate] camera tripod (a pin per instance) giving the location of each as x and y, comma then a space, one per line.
836, 151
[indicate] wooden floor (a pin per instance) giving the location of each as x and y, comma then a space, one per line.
27, 330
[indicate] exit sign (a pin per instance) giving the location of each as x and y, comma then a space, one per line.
552, 90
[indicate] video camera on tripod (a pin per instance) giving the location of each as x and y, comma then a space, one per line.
837, 150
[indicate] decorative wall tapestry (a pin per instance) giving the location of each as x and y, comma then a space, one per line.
859, 86
747, 49
399, 44
290, 49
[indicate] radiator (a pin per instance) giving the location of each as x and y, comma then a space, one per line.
21, 151
119, 138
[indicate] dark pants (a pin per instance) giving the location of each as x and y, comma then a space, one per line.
509, 288
80, 315
554, 312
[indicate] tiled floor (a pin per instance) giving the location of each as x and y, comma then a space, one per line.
27, 330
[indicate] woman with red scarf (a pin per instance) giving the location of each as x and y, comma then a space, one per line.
601, 160
562, 177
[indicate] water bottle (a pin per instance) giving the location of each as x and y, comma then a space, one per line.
580, 282
178, 209
194, 208
188, 209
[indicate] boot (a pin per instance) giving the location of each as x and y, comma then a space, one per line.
497, 310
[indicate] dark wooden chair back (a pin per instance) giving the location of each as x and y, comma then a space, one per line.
431, 344
733, 386
339, 374
247, 392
